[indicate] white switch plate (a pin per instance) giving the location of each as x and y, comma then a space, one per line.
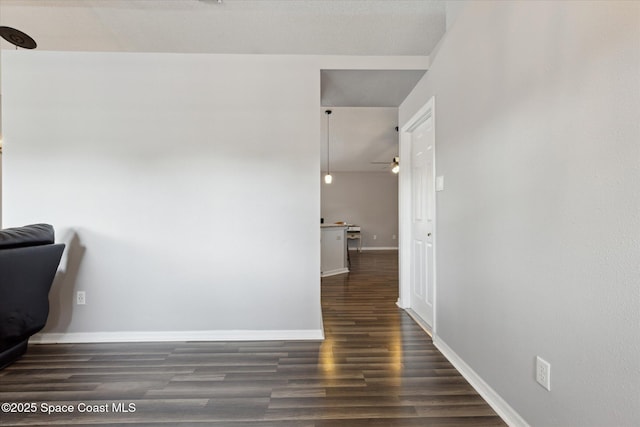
439, 183
543, 373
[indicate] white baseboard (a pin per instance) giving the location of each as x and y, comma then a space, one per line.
334, 272
378, 248
166, 336
420, 321
502, 408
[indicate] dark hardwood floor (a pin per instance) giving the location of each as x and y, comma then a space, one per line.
376, 367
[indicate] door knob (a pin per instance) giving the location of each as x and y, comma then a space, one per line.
428, 234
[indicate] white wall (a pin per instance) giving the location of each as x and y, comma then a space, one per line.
453, 9
537, 136
191, 181
368, 199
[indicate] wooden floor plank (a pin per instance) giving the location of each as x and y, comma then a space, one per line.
376, 367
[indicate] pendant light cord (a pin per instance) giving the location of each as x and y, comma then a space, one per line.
328, 113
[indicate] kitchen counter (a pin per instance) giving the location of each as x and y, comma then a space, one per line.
333, 249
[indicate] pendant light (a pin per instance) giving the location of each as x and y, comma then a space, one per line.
328, 178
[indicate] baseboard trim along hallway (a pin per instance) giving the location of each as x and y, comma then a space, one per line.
502, 408
178, 336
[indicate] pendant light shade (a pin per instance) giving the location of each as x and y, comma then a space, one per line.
328, 178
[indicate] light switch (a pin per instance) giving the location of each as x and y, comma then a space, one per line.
439, 183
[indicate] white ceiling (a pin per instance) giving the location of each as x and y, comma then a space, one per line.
310, 27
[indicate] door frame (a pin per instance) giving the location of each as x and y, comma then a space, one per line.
404, 213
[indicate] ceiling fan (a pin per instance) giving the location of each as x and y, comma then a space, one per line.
17, 38
394, 164
387, 165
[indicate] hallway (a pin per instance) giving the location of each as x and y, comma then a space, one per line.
393, 371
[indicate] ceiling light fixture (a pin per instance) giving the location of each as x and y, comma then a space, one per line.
17, 38
328, 178
395, 165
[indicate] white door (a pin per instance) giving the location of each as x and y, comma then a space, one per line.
422, 201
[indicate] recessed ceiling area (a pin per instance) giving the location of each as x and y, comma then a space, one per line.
367, 88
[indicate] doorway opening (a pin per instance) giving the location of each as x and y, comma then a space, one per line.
362, 144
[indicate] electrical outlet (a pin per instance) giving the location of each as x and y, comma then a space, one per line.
543, 373
375, 237
393, 237
81, 298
